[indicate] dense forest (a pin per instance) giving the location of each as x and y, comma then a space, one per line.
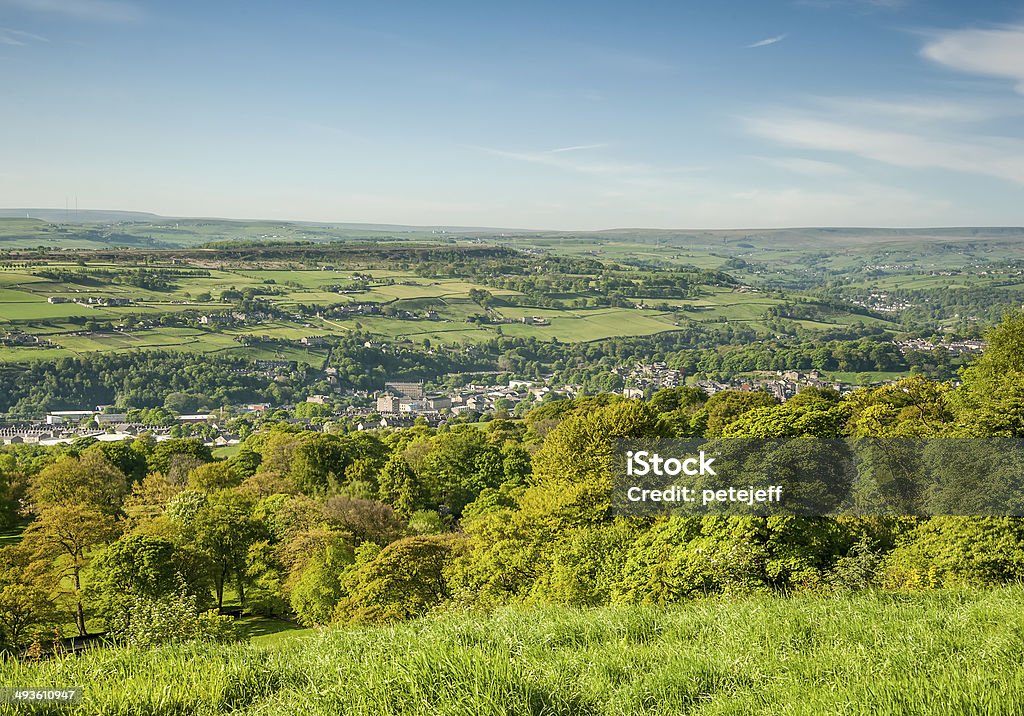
152, 541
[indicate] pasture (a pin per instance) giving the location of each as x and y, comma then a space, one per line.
422, 308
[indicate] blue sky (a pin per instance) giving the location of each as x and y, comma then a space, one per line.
568, 115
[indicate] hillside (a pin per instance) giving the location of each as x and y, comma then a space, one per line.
872, 653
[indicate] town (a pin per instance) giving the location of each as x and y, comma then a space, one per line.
401, 404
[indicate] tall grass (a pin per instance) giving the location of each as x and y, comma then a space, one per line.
940, 653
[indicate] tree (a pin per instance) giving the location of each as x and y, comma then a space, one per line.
677, 407
139, 566
63, 535
991, 399
365, 520
399, 486
76, 502
149, 498
169, 454
25, 604
516, 534
267, 575
516, 464
245, 462
459, 464
950, 552
125, 457
312, 410
89, 479
213, 476
10, 484
726, 406
173, 618
222, 532
318, 463
406, 579
321, 583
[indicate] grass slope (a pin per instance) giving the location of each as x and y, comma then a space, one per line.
940, 653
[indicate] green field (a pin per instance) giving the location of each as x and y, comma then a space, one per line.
772, 267
870, 653
23, 306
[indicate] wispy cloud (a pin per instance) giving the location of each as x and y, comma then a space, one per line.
993, 156
995, 52
616, 177
768, 41
919, 109
561, 158
577, 148
95, 10
810, 167
858, 5
948, 133
9, 36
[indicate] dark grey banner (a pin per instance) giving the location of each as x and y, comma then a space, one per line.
982, 477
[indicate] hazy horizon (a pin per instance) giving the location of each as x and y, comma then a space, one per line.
81, 215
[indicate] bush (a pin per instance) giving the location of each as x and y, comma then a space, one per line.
406, 579
175, 618
957, 552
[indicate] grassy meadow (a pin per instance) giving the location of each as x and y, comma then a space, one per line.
867, 653
774, 267
24, 307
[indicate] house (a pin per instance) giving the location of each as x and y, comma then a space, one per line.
214, 318
197, 418
311, 341
392, 421
406, 390
58, 299
439, 402
59, 417
110, 418
388, 404
266, 364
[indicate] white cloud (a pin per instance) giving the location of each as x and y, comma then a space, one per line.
858, 5
97, 10
992, 156
768, 41
919, 109
10, 36
558, 158
992, 53
947, 132
577, 148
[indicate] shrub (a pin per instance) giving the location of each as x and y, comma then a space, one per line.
149, 621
